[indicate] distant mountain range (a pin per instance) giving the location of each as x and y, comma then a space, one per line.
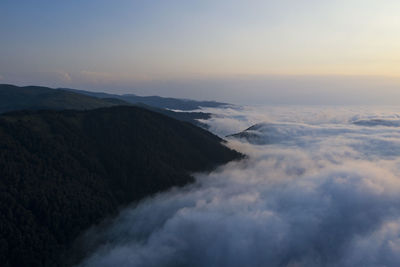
38, 98
63, 171
154, 101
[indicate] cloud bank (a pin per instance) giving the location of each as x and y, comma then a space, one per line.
322, 191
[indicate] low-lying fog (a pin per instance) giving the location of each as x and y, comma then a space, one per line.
321, 187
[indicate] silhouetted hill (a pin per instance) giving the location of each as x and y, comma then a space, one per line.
36, 97
13, 98
155, 101
62, 171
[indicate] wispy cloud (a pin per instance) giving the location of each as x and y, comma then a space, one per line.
64, 76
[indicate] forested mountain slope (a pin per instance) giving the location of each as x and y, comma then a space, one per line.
62, 171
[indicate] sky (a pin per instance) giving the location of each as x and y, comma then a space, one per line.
207, 49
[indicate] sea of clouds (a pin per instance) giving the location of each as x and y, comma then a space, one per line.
318, 188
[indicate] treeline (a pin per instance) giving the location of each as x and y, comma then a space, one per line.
62, 171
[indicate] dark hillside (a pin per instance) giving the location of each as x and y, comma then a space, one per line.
62, 171
37, 97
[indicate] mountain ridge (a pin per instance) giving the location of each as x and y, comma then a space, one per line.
13, 97
155, 101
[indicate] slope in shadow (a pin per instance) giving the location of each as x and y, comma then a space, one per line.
62, 171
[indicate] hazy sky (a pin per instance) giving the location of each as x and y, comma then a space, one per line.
203, 49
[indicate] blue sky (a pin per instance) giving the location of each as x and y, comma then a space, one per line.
146, 47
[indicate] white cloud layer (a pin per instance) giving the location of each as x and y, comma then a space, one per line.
320, 191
